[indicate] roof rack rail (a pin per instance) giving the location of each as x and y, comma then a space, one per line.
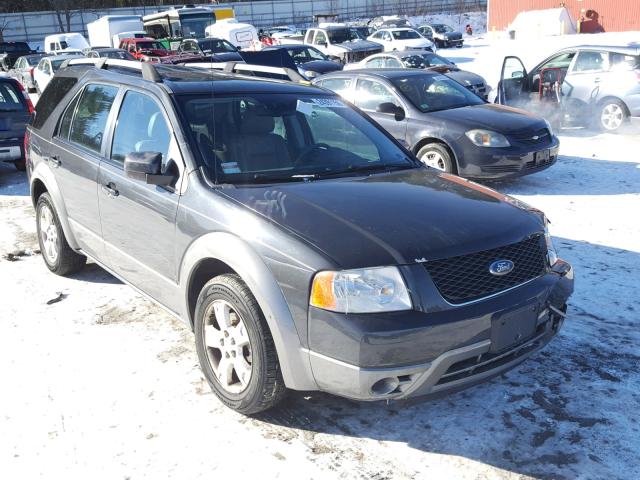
148, 70
246, 68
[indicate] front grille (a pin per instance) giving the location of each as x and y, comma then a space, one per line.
357, 56
479, 89
466, 278
501, 168
537, 137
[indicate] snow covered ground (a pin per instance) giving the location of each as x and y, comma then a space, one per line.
103, 384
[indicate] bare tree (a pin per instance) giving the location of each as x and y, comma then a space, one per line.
4, 24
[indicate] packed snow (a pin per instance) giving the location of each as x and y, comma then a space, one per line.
104, 384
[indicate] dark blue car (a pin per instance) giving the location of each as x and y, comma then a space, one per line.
309, 61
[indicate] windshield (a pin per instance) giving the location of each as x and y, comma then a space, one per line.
304, 55
405, 34
10, 47
425, 60
149, 46
216, 46
55, 64
341, 35
442, 28
193, 26
359, 32
262, 138
33, 60
118, 54
430, 93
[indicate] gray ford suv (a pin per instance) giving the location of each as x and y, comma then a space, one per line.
305, 247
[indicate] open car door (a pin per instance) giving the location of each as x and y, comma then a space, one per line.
513, 82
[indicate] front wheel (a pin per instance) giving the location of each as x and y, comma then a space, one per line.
59, 257
612, 115
235, 347
436, 155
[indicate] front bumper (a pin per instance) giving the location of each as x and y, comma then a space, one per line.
499, 163
415, 354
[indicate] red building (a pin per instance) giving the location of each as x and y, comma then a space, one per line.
613, 15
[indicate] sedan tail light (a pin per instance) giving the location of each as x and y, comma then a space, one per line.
26, 97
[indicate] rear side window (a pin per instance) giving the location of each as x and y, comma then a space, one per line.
141, 127
51, 97
621, 62
65, 123
10, 98
91, 115
338, 85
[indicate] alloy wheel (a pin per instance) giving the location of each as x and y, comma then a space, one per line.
228, 346
612, 116
49, 234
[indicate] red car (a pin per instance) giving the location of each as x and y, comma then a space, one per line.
145, 49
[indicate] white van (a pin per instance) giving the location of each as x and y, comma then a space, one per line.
102, 30
242, 35
65, 42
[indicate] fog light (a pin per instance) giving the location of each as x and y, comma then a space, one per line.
385, 386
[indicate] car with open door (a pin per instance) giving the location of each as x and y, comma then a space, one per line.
595, 86
447, 126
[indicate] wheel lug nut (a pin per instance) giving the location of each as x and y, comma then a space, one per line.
233, 342
226, 354
233, 354
226, 334
222, 342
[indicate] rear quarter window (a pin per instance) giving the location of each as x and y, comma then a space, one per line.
52, 96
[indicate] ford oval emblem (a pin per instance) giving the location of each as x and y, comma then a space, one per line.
501, 267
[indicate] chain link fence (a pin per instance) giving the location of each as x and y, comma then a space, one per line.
34, 26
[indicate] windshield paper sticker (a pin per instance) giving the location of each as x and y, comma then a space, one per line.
328, 102
230, 167
304, 107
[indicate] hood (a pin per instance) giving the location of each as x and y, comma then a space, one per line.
359, 45
320, 66
464, 77
499, 118
414, 43
453, 35
151, 52
392, 218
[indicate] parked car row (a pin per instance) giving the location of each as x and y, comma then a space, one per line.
303, 242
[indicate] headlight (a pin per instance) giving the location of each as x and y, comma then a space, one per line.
552, 256
549, 127
310, 74
367, 290
487, 138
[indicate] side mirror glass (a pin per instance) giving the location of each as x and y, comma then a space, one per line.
322, 43
517, 74
393, 109
146, 167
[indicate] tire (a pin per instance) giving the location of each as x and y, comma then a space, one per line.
52, 240
438, 156
227, 311
20, 165
612, 115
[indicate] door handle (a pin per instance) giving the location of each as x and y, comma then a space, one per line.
110, 190
596, 80
54, 161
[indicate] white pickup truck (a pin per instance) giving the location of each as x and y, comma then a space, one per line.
339, 43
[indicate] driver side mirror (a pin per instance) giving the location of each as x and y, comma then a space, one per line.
147, 167
517, 74
391, 108
322, 43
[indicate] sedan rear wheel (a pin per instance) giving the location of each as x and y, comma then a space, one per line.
612, 115
436, 155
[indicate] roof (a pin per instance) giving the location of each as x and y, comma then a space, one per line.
623, 49
389, 73
395, 28
404, 53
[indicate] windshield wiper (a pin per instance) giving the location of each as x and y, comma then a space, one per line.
384, 167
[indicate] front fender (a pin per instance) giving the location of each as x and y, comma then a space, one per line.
42, 173
235, 252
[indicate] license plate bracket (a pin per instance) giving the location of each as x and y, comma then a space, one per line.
513, 327
543, 156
